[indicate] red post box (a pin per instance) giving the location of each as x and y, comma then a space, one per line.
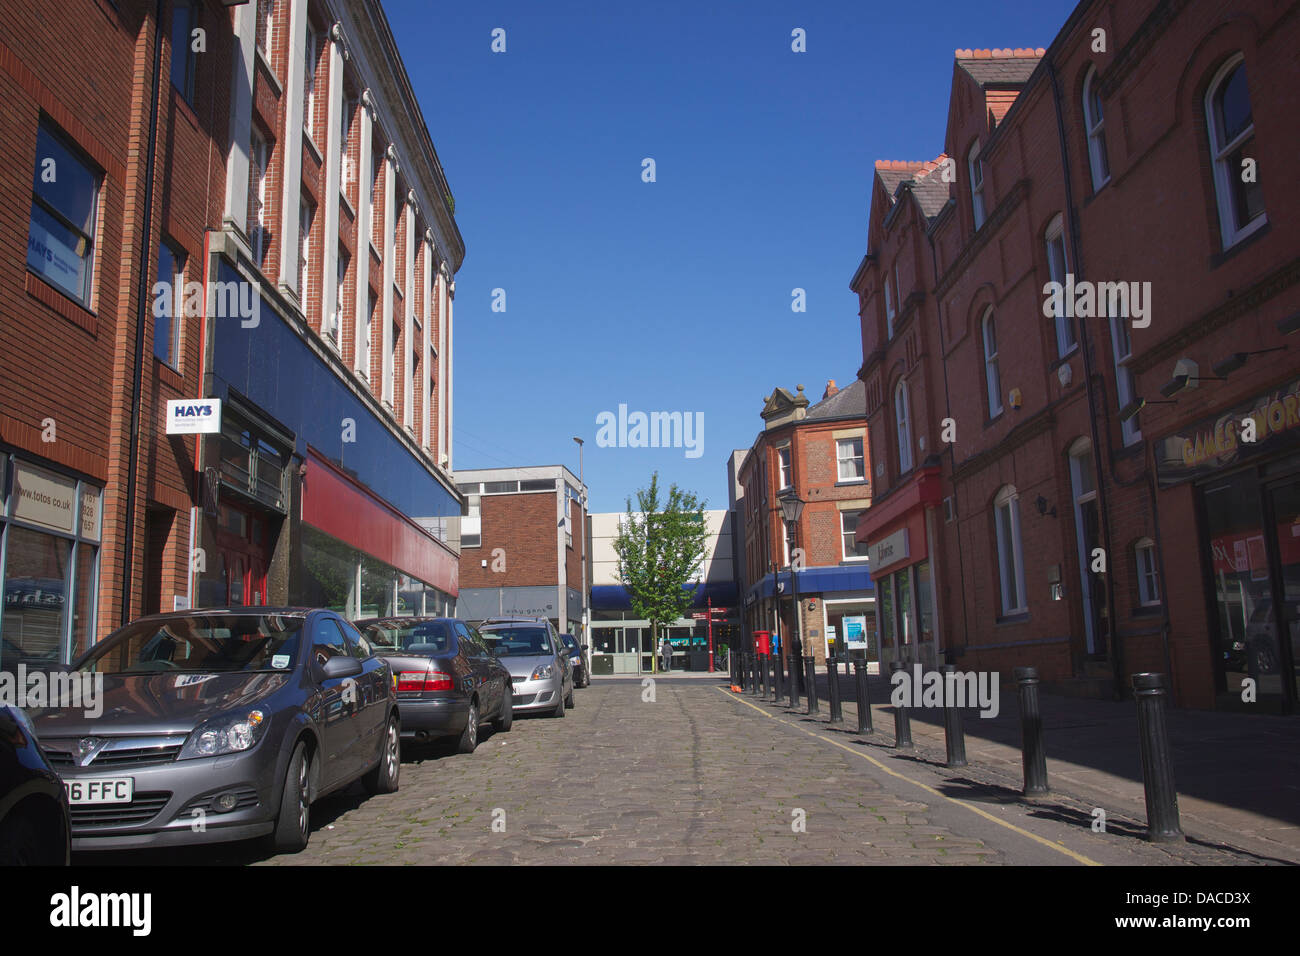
763, 642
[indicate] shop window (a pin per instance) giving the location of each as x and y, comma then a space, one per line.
65, 201
1011, 567
1231, 124
849, 457
1147, 575
1095, 125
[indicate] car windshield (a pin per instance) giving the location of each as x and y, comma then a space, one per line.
419, 637
200, 644
518, 641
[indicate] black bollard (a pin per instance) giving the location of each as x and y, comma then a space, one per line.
1033, 755
796, 662
810, 683
833, 690
753, 674
902, 722
864, 698
762, 675
953, 732
777, 679
1157, 760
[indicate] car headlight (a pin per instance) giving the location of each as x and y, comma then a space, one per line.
542, 672
225, 735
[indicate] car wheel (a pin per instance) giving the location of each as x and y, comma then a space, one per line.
384, 778
293, 825
469, 738
559, 707
507, 715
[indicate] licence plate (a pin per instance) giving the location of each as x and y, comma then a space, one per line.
100, 790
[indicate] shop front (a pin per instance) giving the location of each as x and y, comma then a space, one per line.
897, 531
1247, 495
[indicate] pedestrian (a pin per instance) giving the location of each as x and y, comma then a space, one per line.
666, 653
796, 660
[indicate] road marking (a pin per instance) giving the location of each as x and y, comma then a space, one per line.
1078, 857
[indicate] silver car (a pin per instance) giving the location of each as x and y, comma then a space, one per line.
540, 671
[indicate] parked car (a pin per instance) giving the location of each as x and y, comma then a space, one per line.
447, 678
578, 658
540, 671
35, 828
222, 725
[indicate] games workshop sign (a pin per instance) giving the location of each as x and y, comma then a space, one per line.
1224, 440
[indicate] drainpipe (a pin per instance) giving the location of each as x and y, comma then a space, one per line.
142, 295
1112, 646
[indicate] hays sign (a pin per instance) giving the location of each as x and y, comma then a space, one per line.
193, 416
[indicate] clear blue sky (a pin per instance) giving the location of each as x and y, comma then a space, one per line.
673, 295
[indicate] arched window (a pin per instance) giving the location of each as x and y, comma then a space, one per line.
890, 311
1057, 267
1231, 127
1087, 532
1095, 124
1011, 561
902, 417
992, 380
976, 168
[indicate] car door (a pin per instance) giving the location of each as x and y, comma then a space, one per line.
336, 702
498, 675
475, 657
372, 700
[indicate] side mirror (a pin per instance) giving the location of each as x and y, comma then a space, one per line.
340, 666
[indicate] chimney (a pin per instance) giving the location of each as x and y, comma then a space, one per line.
830, 390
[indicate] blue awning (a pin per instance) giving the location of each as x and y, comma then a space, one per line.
613, 597
827, 580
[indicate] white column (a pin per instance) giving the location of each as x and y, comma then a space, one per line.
291, 147
442, 361
390, 208
451, 296
241, 117
333, 140
408, 318
426, 285
361, 261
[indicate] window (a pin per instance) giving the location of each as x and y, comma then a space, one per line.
185, 19
65, 197
1125, 392
258, 159
992, 380
1147, 575
265, 26
1095, 124
902, 419
1011, 569
471, 526
889, 310
848, 453
306, 213
784, 475
976, 167
1231, 127
309, 83
568, 521
1057, 267
1087, 528
374, 193
368, 336
850, 548
334, 323
345, 128
166, 326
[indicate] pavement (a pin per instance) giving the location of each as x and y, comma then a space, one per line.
682, 770
1237, 774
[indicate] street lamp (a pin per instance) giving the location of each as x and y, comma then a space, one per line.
791, 509
586, 586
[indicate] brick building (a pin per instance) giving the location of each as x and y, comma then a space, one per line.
524, 545
820, 454
1092, 527
164, 179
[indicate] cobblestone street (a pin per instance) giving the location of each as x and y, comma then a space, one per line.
697, 776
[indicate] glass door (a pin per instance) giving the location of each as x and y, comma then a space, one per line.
1283, 615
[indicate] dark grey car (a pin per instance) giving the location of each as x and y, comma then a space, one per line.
222, 725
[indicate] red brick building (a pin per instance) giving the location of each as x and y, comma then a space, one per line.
213, 258
1092, 527
820, 454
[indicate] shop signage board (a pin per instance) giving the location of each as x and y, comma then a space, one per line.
888, 550
44, 498
1217, 442
193, 416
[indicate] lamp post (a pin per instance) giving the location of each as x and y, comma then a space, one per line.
791, 509
586, 590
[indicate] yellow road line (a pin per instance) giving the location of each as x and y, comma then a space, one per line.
1078, 857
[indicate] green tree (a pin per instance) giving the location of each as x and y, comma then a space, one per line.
660, 549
